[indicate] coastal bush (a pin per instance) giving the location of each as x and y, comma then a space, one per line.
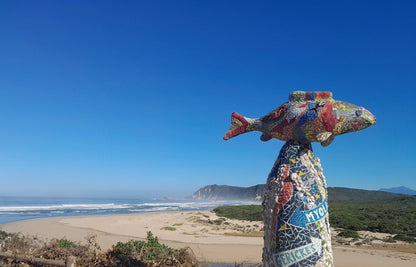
349, 233
242, 212
65, 243
17, 243
217, 222
4, 234
132, 253
404, 237
389, 239
127, 254
168, 228
61, 249
394, 217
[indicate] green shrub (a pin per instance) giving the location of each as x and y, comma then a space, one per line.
216, 222
349, 233
132, 251
404, 237
395, 216
168, 228
389, 240
243, 212
64, 243
4, 234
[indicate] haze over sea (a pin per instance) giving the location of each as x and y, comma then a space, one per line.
25, 208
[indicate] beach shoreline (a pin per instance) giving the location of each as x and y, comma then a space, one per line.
212, 239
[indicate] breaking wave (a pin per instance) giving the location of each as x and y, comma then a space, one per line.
14, 209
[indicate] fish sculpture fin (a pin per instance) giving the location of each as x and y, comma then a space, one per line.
321, 137
301, 96
239, 125
265, 137
328, 141
325, 138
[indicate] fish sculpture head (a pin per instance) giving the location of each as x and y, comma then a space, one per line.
306, 117
351, 118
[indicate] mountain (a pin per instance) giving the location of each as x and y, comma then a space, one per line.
399, 190
335, 194
226, 192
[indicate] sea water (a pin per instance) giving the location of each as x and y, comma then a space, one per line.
25, 208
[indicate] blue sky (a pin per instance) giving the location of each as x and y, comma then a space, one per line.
132, 98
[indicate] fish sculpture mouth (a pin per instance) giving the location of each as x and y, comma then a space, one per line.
307, 117
371, 118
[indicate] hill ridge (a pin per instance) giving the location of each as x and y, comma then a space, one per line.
255, 193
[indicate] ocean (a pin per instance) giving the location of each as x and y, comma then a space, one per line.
26, 208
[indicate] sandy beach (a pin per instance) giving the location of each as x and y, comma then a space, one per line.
212, 239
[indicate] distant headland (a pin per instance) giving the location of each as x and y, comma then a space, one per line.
255, 193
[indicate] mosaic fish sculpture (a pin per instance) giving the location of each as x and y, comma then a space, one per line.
295, 210
307, 117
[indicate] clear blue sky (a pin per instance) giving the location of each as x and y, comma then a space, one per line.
132, 98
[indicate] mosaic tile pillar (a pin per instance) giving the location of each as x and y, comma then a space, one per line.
295, 210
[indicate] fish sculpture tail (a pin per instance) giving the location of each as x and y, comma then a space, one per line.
239, 125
